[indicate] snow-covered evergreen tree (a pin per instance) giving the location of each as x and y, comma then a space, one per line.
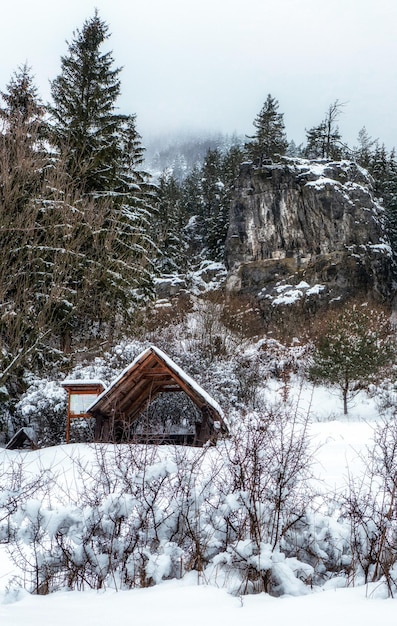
269, 140
85, 125
215, 205
74, 208
364, 149
168, 224
102, 152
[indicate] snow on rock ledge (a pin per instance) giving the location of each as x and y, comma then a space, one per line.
306, 220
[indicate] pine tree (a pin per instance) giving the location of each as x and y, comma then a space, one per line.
168, 225
270, 139
363, 152
384, 170
102, 154
85, 126
23, 108
22, 118
355, 345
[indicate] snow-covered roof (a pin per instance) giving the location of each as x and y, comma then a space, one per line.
83, 382
134, 374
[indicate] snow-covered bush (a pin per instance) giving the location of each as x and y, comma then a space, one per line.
237, 513
371, 509
43, 407
265, 498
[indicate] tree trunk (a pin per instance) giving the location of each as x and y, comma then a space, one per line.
345, 392
345, 401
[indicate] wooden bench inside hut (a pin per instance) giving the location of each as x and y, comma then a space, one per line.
155, 401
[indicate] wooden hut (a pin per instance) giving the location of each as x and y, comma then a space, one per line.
118, 407
24, 438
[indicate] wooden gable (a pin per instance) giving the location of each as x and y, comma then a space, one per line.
152, 373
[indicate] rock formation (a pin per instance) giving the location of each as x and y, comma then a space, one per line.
307, 226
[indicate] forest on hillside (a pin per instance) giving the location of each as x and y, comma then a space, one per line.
87, 225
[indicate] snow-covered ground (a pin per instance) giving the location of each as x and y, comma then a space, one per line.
184, 602
340, 447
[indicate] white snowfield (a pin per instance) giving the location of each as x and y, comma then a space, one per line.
340, 445
185, 602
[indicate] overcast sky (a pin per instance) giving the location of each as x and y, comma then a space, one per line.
209, 64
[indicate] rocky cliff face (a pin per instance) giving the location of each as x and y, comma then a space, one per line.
307, 226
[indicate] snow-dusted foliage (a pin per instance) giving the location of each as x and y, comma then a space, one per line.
230, 368
43, 405
159, 512
44, 408
370, 507
246, 515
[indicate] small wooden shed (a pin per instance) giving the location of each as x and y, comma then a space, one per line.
23, 438
81, 394
127, 398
